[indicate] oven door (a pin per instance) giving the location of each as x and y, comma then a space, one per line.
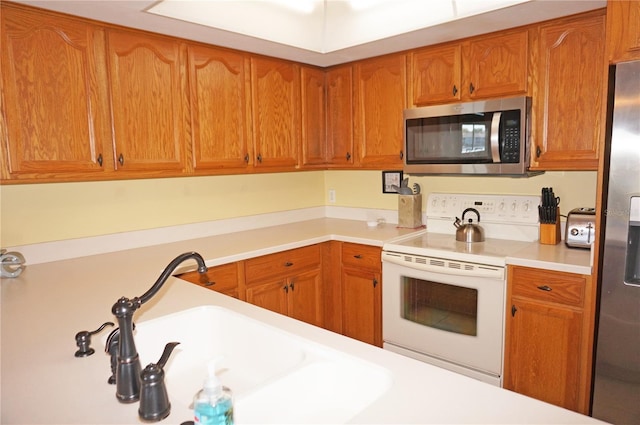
451, 316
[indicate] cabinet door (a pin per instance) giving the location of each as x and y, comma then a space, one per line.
275, 98
381, 93
623, 30
314, 147
542, 357
569, 104
362, 305
497, 65
271, 295
339, 139
55, 116
436, 74
147, 96
220, 108
304, 297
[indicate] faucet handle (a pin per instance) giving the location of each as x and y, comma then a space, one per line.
154, 400
83, 340
111, 348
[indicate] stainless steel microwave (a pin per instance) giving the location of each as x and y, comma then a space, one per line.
488, 137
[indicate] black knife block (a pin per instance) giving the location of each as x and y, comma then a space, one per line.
550, 232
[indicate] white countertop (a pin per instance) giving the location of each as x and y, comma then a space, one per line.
42, 310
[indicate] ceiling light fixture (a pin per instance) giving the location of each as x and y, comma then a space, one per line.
323, 25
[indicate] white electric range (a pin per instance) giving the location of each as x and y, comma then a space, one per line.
444, 300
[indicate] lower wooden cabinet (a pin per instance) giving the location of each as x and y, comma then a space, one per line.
548, 336
335, 285
361, 282
297, 296
227, 279
288, 282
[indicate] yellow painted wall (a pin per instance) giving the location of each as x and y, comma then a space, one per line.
363, 189
35, 213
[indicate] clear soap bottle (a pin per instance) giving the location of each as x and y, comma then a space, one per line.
213, 404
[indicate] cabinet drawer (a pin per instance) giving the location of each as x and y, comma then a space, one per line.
549, 286
362, 256
220, 278
282, 264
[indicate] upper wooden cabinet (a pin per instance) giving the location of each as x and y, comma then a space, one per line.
148, 92
569, 94
380, 99
219, 97
55, 108
339, 93
83, 100
623, 30
436, 74
275, 94
488, 66
313, 98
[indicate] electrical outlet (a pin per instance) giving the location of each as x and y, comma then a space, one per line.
332, 196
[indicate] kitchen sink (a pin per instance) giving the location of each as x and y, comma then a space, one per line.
275, 376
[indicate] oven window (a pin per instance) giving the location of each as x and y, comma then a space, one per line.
447, 307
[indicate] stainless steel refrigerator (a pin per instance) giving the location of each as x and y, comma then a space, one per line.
616, 392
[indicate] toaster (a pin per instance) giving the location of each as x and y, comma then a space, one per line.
580, 230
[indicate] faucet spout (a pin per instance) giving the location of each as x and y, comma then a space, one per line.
128, 362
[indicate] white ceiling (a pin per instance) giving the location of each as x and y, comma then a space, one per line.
336, 39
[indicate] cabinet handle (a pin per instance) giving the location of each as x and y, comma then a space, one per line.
292, 286
246, 158
121, 159
538, 151
358, 256
288, 264
348, 156
513, 310
99, 159
375, 282
259, 158
286, 288
401, 155
544, 288
455, 90
471, 88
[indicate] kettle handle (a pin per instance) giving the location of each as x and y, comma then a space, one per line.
472, 210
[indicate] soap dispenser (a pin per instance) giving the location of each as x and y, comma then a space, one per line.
213, 404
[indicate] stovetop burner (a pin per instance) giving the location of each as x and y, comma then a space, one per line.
491, 251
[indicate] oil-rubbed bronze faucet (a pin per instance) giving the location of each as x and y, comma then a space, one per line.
128, 365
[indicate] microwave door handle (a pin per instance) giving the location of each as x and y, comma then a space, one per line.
495, 137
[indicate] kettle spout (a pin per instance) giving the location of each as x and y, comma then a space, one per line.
457, 222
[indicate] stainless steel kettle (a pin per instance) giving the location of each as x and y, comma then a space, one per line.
469, 232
